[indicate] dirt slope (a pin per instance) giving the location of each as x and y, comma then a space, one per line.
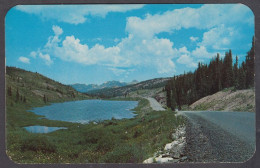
227, 100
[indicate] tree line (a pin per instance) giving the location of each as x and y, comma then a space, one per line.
210, 78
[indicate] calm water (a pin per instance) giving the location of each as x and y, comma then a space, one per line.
42, 129
84, 111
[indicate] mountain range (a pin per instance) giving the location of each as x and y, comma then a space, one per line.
84, 88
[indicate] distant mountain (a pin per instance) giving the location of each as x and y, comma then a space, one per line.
83, 88
109, 84
120, 91
112, 84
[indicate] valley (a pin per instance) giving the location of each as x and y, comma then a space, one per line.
97, 141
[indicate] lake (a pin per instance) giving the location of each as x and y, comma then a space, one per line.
84, 111
42, 129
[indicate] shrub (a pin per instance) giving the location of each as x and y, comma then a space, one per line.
125, 153
38, 144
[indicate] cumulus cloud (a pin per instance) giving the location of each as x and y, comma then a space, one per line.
57, 30
194, 39
130, 51
46, 58
142, 46
201, 52
74, 14
33, 54
219, 38
187, 60
24, 60
205, 17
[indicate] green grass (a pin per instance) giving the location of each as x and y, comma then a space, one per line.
126, 140
123, 141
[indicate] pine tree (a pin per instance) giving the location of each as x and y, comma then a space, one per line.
9, 91
250, 59
227, 72
168, 94
17, 95
241, 78
44, 99
173, 95
235, 72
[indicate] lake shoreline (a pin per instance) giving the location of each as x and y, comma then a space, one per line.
85, 111
124, 132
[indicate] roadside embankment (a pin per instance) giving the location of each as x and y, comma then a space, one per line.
227, 100
173, 152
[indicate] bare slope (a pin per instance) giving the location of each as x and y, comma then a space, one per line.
227, 100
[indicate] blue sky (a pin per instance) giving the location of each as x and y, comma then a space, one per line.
98, 43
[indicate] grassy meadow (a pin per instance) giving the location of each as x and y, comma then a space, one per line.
109, 141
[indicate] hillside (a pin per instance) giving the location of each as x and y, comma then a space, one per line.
227, 100
28, 88
124, 90
124, 140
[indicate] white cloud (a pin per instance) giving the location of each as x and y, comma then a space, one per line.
142, 47
219, 38
33, 54
46, 58
24, 60
205, 17
184, 50
130, 51
201, 52
187, 60
194, 39
117, 71
57, 30
74, 14
116, 40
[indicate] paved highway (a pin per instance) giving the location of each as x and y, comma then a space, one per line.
219, 136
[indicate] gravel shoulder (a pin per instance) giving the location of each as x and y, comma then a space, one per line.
208, 142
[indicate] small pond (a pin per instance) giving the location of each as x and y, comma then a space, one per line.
42, 129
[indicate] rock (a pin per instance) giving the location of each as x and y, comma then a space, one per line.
163, 160
169, 146
184, 158
173, 152
149, 160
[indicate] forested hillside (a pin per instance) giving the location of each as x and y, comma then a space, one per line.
28, 88
210, 78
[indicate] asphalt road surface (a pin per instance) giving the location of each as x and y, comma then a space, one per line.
154, 104
219, 136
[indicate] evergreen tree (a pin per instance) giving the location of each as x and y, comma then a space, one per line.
235, 72
44, 99
227, 72
9, 91
241, 78
250, 59
168, 94
173, 95
17, 95
210, 78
